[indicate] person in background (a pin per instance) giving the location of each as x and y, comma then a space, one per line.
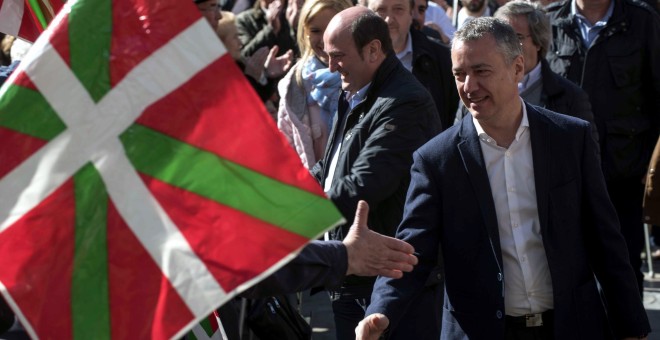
651, 202
310, 92
472, 9
256, 66
611, 49
432, 20
427, 59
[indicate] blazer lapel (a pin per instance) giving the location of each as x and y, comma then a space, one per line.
470, 151
540, 137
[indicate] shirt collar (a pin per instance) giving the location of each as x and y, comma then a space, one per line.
407, 49
524, 124
354, 99
405, 56
530, 78
576, 13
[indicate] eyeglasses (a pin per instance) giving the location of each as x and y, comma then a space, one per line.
522, 37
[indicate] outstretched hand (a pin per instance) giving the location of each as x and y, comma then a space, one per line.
254, 64
371, 327
371, 254
277, 66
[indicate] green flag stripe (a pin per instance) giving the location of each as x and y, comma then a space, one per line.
90, 306
227, 183
21, 109
34, 4
90, 32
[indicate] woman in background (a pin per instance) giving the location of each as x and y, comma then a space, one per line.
310, 92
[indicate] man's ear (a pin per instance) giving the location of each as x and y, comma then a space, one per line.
519, 65
373, 50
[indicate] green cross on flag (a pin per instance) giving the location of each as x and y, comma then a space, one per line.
142, 182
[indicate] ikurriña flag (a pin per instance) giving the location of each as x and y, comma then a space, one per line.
27, 18
142, 182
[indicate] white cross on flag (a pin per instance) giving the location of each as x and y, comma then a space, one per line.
142, 182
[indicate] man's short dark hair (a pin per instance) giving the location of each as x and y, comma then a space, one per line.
370, 26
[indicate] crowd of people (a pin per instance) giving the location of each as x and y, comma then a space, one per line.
508, 155
515, 212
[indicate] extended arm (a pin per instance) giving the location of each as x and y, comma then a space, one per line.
325, 263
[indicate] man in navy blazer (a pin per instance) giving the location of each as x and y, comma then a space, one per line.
514, 199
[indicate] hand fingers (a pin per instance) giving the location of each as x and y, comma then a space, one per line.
361, 214
371, 327
397, 245
261, 53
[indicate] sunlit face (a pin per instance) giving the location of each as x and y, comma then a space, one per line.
211, 12
232, 42
486, 82
530, 50
398, 16
419, 12
344, 57
314, 30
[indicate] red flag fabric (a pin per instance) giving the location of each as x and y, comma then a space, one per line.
27, 18
143, 182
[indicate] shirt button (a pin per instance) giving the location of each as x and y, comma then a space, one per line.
507, 154
498, 314
515, 224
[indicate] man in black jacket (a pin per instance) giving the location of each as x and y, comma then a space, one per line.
427, 59
611, 49
384, 115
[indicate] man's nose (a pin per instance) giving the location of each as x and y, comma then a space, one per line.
332, 64
470, 84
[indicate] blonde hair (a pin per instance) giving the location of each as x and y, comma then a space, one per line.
228, 21
310, 9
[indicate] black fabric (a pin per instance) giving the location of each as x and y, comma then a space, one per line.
6, 316
621, 74
275, 318
432, 68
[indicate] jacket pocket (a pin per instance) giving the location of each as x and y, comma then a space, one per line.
626, 67
626, 145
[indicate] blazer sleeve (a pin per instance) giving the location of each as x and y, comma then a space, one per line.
421, 228
319, 264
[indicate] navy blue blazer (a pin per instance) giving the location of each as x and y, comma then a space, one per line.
449, 208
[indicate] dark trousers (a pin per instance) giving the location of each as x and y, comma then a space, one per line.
348, 306
627, 195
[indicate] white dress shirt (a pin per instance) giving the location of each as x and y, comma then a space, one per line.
527, 284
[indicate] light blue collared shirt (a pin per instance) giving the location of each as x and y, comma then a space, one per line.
530, 78
355, 98
588, 31
406, 55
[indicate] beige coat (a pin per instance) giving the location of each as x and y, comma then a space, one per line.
652, 190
